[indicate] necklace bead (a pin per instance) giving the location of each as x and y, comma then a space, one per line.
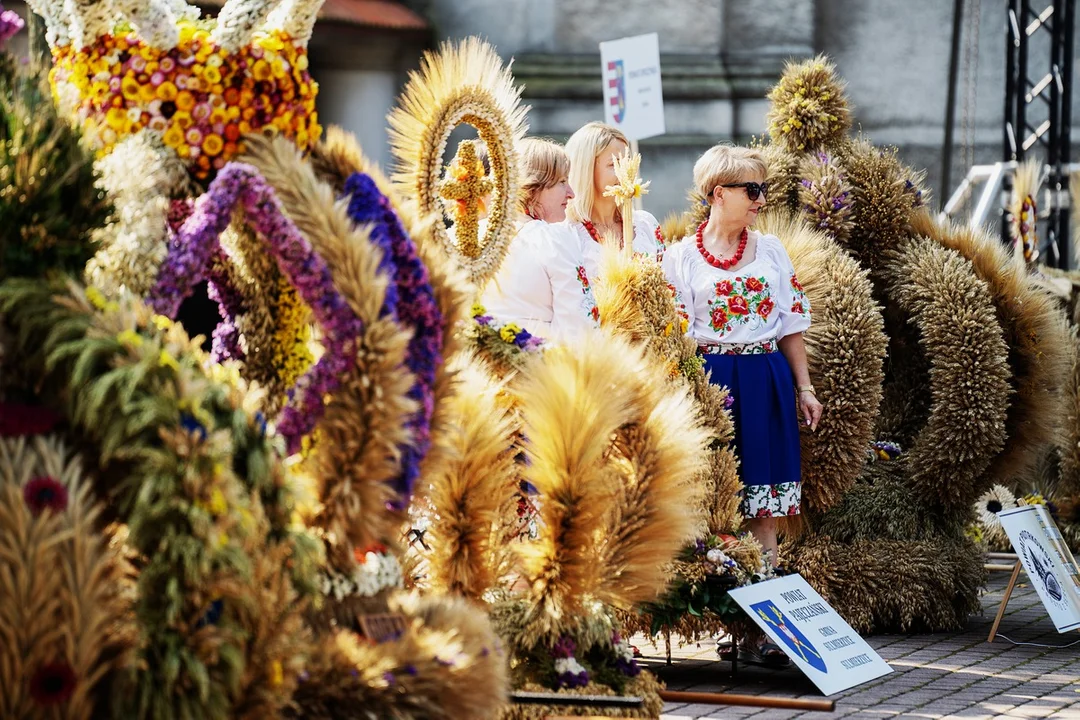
711, 259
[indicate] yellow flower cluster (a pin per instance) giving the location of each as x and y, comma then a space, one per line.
1031, 499
201, 98
291, 354
509, 332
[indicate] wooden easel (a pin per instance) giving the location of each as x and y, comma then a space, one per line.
1005, 601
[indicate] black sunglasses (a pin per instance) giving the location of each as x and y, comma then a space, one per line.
753, 190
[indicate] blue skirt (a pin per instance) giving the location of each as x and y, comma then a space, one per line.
766, 430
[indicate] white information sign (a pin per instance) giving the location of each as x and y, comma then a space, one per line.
1048, 561
812, 634
633, 99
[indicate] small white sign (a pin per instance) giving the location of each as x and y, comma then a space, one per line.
633, 99
1048, 561
812, 634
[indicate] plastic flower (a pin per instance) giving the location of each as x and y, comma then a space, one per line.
45, 493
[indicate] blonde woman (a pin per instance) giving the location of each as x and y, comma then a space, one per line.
747, 311
592, 151
542, 284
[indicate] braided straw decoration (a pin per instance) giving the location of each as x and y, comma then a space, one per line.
463, 82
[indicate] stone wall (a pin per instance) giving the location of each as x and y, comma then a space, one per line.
719, 57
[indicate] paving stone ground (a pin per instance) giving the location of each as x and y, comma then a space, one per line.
945, 675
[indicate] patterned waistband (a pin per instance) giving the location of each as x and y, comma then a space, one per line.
755, 348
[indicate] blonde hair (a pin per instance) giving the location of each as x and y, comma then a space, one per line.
584, 147
542, 163
723, 164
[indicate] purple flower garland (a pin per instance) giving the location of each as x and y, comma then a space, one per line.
226, 337
189, 261
411, 300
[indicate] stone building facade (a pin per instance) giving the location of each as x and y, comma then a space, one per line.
719, 57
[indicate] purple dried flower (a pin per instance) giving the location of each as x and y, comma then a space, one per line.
231, 305
629, 668
572, 680
522, 339
564, 647
412, 303
10, 24
190, 259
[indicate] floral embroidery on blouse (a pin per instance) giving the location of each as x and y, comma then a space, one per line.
798, 296
742, 301
588, 303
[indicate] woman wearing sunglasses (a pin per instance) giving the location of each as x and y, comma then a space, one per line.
747, 311
542, 285
592, 151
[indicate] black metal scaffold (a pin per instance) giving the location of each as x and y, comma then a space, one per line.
1038, 106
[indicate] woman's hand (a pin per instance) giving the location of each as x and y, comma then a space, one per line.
811, 409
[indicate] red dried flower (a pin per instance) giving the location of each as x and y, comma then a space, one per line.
45, 492
53, 683
16, 420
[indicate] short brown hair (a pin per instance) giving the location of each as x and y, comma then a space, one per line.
542, 163
723, 164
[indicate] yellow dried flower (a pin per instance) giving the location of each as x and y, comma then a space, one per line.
509, 332
130, 338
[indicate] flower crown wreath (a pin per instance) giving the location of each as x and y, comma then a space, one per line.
121, 66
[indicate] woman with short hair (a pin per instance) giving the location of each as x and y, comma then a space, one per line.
744, 305
542, 284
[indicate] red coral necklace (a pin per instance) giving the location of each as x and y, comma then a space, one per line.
711, 259
591, 229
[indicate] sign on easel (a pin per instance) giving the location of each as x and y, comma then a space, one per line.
813, 635
633, 98
1048, 561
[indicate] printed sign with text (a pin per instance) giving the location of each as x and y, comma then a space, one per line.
633, 99
1048, 561
812, 634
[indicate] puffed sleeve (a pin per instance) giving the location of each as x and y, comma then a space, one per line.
679, 283
573, 304
791, 300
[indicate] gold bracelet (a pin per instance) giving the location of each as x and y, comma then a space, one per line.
807, 388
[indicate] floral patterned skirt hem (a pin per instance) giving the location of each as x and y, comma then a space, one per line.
765, 501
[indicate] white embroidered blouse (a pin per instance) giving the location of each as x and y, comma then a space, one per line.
542, 284
647, 241
759, 302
